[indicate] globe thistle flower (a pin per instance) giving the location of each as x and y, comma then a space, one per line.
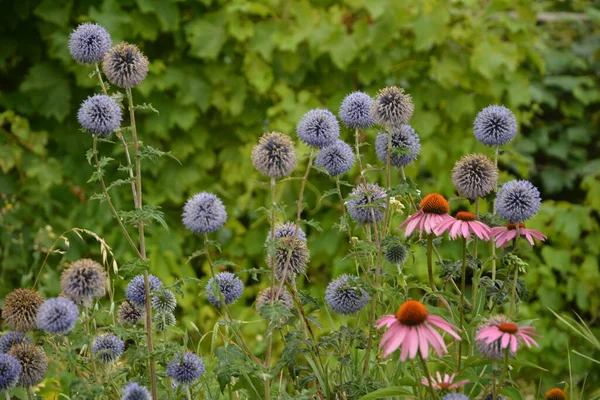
89, 43
405, 139
464, 225
9, 339
34, 363
107, 348
443, 383
392, 107
274, 155
396, 253
288, 229
129, 314
163, 301
291, 257
10, 370
204, 213
433, 211
136, 289
518, 200
495, 126
555, 394
501, 329
135, 391
474, 176
20, 309
504, 234
412, 330
229, 285
367, 203
185, 371
125, 65
355, 111
162, 320
336, 158
266, 297
83, 281
490, 396
100, 115
492, 351
456, 396
57, 315
318, 128
344, 296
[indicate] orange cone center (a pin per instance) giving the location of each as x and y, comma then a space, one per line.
514, 226
434, 204
412, 313
465, 216
555, 394
508, 327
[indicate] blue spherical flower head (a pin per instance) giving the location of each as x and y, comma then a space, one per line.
185, 371
455, 396
367, 203
344, 296
107, 348
230, 285
517, 201
355, 111
135, 391
83, 281
136, 289
57, 316
495, 126
288, 229
10, 370
89, 43
204, 213
405, 140
100, 115
163, 301
9, 339
318, 128
336, 158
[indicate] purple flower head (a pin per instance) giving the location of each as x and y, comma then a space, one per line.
135, 391
187, 370
100, 115
107, 348
10, 370
204, 213
9, 339
405, 139
229, 285
392, 107
318, 128
355, 111
287, 229
518, 200
367, 203
336, 158
83, 281
495, 126
136, 289
344, 296
89, 43
57, 315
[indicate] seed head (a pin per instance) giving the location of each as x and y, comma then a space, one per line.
84, 281
162, 320
367, 203
20, 309
125, 65
129, 314
474, 176
267, 295
33, 360
392, 107
291, 257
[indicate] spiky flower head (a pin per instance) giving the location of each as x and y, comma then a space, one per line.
367, 203
495, 126
129, 314
556, 394
288, 229
20, 309
518, 200
493, 350
89, 43
10, 370
345, 296
318, 128
455, 396
135, 391
406, 146
163, 301
392, 107
33, 360
100, 115
9, 339
396, 252
185, 371
474, 176
107, 348
355, 111
125, 65
230, 286
336, 158
204, 213
83, 281
272, 294
57, 315
136, 289
162, 320
490, 396
274, 155
291, 257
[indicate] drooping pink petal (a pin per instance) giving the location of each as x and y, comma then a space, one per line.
443, 227
528, 339
443, 325
415, 342
390, 333
505, 340
466, 232
481, 230
527, 236
425, 381
458, 384
436, 341
537, 234
423, 342
386, 320
447, 378
455, 229
495, 231
406, 346
513, 343
395, 341
411, 223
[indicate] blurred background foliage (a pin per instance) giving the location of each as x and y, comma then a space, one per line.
224, 71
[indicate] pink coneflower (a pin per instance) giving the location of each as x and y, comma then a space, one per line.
412, 329
464, 225
433, 210
507, 332
443, 383
504, 234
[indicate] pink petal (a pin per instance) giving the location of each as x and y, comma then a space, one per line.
455, 229
459, 384
424, 381
423, 343
415, 342
513, 344
393, 343
528, 237
406, 345
436, 341
411, 223
443, 325
481, 230
386, 320
443, 227
505, 340
537, 234
497, 230
465, 230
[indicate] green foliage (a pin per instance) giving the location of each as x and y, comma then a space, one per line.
223, 72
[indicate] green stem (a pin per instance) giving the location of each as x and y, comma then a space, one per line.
88, 331
188, 393
428, 375
475, 239
30, 394
513, 293
430, 262
410, 199
358, 158
388, 181
504, 373
269, 330
463, 284
493, 242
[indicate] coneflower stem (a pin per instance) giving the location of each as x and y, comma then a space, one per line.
463, 284
504, 372
430, 262
428, 375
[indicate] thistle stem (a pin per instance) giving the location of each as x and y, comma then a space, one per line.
463, 284
493, 241
269, 330
513, 293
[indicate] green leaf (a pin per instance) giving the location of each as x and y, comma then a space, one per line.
430, 27
258, 72
207, 35
48, 90
388, 392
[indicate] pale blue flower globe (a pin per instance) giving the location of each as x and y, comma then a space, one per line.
89, 43
318, 128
